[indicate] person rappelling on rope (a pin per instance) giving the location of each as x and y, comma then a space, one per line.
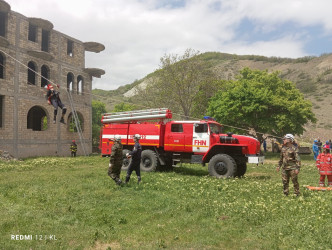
53, 97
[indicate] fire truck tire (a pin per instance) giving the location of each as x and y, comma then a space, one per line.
222, 166
149, 161
125, 160
241, 169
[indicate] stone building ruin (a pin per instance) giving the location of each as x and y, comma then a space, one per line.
33, 54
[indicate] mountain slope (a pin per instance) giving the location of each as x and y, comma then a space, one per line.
312, 76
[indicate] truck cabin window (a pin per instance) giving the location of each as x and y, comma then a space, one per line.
177, 128
201, 128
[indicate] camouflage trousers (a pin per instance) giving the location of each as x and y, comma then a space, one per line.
114, 172
290, 174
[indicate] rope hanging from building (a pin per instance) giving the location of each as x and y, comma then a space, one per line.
74, 113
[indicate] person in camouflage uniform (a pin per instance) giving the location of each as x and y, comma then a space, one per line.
73, 148
291, 163
116, 160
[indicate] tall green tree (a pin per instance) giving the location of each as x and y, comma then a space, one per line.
177, 83
264, 102
123, 107
98, 108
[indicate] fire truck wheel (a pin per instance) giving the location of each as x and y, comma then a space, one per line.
149, 161
222, 166
241, 169
125, 160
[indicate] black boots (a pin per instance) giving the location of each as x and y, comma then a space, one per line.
139, 179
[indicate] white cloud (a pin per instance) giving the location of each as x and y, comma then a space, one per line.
136, 33
279, 48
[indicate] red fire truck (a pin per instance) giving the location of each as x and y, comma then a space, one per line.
166, 143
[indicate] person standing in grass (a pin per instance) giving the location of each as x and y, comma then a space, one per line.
136, 159
324, 165
116, 160
320, 144
264, 145
73, 148
290, 163
315, 149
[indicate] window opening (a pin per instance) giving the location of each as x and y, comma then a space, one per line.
80, 85
31, 73
177, 128
45, 72
2, 66
3, 21
45, 40
70, 48
32, 36
37, 119
1, 110
70, 79
72, 124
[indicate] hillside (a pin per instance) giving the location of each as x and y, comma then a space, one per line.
312, 76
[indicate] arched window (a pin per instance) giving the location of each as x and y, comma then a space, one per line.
37, 119
45, 73
80, 85
70, 81
31, 73
2, 66
72, 124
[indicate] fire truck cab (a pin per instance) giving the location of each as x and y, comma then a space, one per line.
167, 143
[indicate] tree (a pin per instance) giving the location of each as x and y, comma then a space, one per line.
98, 108
264, 102
177, 83
123, 107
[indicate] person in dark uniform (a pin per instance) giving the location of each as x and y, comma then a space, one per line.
73, 148
53, 97
136, 159
116, 160
291, 163
320, 144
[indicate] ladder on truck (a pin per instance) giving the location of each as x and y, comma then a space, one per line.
136, 115
76, 120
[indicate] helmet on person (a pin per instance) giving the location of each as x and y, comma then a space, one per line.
73, 141
49, 86
137, 136
117, 137
315, 141
289, 136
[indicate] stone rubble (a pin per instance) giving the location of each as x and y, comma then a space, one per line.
5, 156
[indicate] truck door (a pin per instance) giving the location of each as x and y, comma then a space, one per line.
175, 138
201, 137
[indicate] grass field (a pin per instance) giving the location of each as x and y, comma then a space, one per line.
71, 203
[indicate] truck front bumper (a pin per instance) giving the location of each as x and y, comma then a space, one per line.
255, 159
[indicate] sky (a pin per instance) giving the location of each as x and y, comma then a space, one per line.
137, 33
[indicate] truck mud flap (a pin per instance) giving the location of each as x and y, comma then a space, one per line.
197, 159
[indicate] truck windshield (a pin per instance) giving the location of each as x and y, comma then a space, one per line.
215, 128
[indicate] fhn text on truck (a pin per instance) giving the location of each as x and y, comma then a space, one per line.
167, 143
